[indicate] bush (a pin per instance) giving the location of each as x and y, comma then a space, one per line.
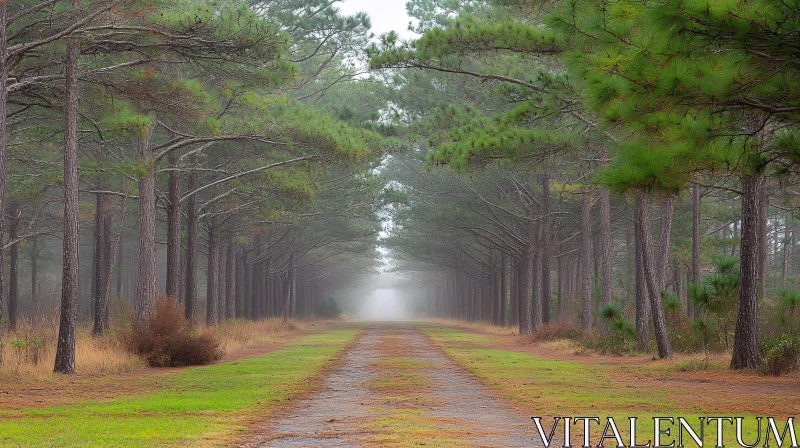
555, 331
328, 309
780, 355
168, 340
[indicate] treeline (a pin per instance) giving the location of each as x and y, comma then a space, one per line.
604, 162
220, 153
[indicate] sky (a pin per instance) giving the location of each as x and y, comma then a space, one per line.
386, 15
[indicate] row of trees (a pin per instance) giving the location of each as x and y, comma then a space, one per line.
225, 140
563, 125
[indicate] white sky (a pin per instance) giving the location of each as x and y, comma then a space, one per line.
386, 15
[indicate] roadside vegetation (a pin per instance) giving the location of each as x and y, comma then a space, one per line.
210, 405
557, 381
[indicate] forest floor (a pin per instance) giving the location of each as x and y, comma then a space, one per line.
194, 406
384, 384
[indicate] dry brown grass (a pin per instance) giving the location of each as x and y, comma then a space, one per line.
106, 354
478, 326
240, 334
30, 351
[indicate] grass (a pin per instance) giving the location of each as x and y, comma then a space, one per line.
193, 406
105, 354
550, 388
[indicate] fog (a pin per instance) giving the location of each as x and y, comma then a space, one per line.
384, 305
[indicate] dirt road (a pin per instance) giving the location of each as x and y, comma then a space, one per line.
394, 387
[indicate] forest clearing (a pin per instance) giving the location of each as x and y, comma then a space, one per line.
346, 223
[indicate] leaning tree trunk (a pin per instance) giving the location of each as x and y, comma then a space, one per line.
173, 230
651, 276
586, 275
695, 245
545, 249
192, 225
667, 216
13, 267
147, 281
745, 342
70, 280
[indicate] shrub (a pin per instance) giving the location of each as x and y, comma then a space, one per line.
780, 355
168, 340
556, 331
328, 309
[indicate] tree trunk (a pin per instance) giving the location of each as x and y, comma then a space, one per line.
526, 291
606, 281
190, 296
287, 293
560, 288
13, 267
34, 268
70, 280
102, 270
586, 249
212, 291
650, 274
745, 342
173, 230
147, 279
222, 272
761, 247
537, 304
787, 241
641, 295
230, 302
695, 244
545, 250
503, 289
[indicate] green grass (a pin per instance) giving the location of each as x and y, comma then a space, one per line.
552, 388
204, 405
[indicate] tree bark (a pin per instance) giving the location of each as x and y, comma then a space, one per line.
230, 300
102, 270
173, 230
650, 274
606, 266
287, 290
763, 261
212, 291
641, 295
222, 273
545, 249
147, 279
586, 249
745, 342
695, 244
70, 280
13, 267
34, 268
526, 291
503, 289
787, 241
190, 296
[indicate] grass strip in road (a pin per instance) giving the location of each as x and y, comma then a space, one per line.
550, 388
197, 406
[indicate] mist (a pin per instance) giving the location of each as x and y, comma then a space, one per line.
384, 305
